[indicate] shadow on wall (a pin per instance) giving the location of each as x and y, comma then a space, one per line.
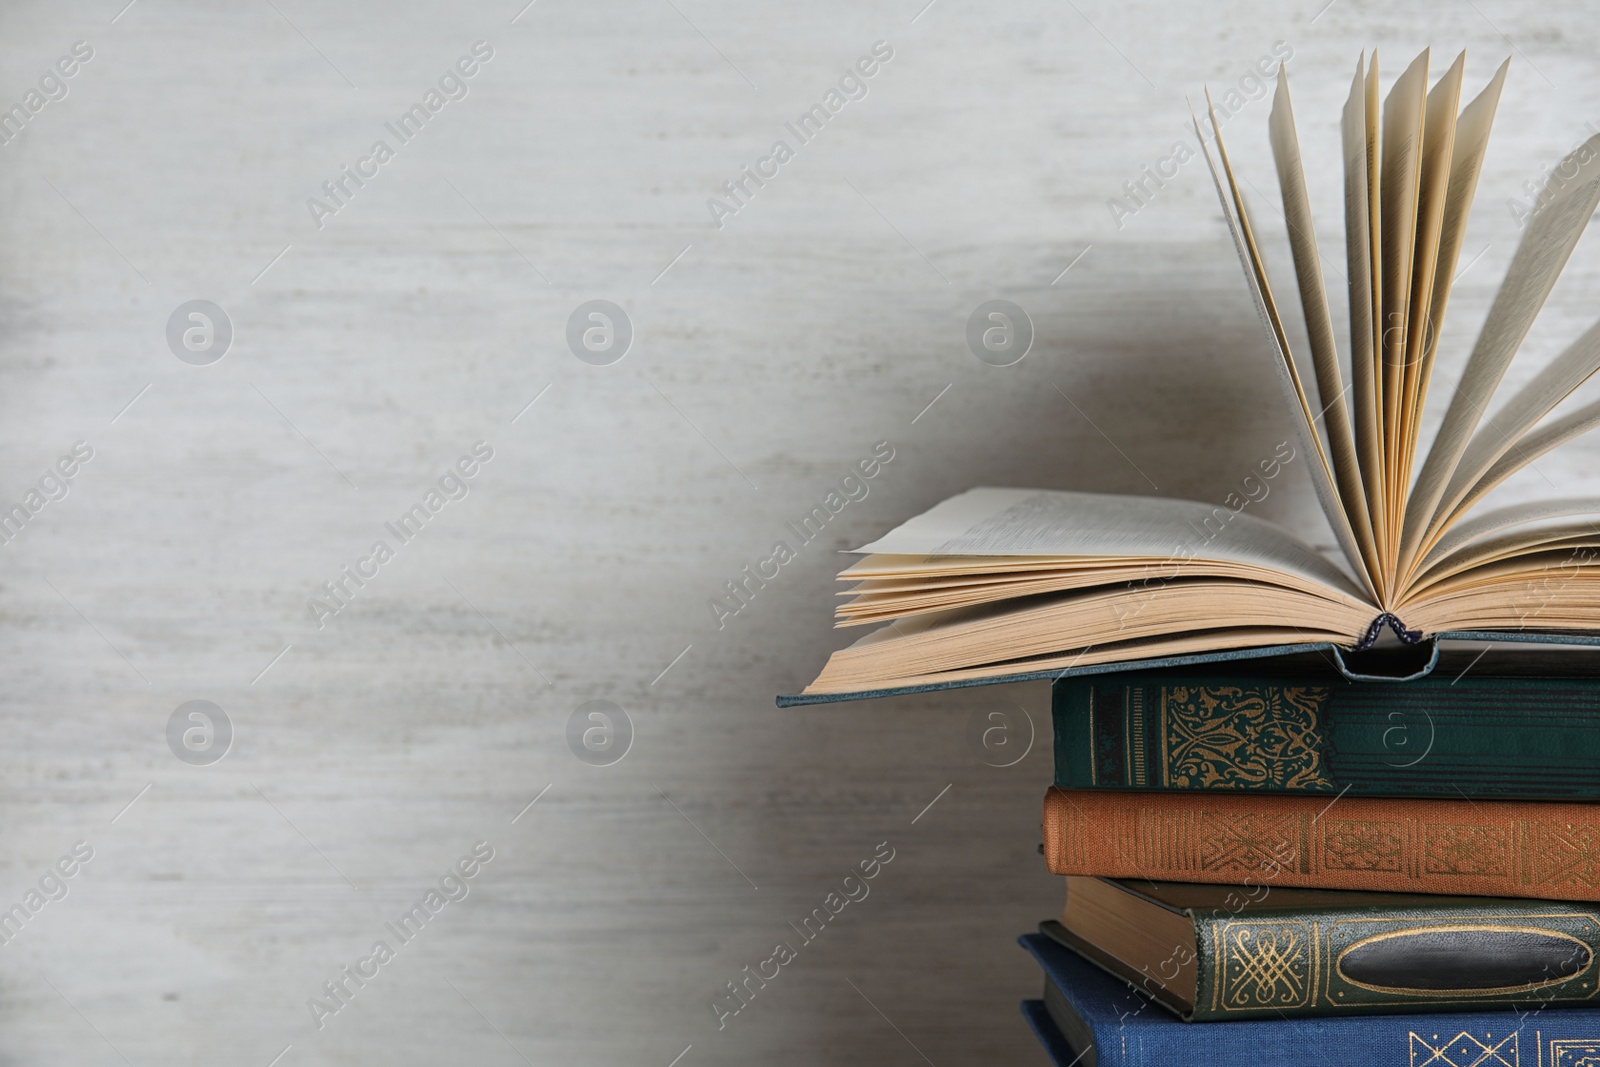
1150, 376
1169, 388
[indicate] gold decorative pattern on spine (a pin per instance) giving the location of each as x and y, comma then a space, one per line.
1470, 850
1573, 1053
1351, 845
1251, 842
1560, 854
1135, 720
1243, 737
1263, 965
1468, 1050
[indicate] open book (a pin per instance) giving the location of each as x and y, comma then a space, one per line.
1000, 582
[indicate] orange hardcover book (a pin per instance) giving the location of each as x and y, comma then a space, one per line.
1501, 848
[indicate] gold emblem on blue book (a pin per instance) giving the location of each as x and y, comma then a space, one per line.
1469, 1050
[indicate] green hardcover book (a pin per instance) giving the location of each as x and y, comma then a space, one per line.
1210, 952
1274, 730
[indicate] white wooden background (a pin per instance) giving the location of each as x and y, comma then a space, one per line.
770, 355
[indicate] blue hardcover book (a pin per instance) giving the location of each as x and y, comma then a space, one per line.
1089, 1019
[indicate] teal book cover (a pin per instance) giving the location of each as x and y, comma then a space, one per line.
1474, 735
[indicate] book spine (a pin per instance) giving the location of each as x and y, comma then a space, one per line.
1128, 1030
1485, 848
1365, 961
1528, 738
1566, 1038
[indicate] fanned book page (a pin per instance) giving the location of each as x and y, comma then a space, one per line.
1037, 524
997, 583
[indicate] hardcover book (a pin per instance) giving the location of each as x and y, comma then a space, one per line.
1001, 583
1472, 732
1089, 1019
1210, 952
1492, 848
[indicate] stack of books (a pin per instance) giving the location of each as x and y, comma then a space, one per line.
1344, 809
1278, 842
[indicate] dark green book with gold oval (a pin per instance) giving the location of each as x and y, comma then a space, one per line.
1211, 952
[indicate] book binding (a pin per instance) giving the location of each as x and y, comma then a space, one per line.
1428, 649
1087, 1016
1534, 737
1460, 954
1370, 638
1496, 848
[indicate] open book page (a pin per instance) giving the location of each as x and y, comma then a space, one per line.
1466, 161
1031, 522
829, 681
1501, 434
1552, 590
1358, 252
1085, 570
978, 573
1546, 245
1075, 623
1528, 548
1283, 364
1528, 449
1487, 526
1403, 113
1433, 183
879, 600
888, 571
1375, 238
1319, 321
1244, 233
